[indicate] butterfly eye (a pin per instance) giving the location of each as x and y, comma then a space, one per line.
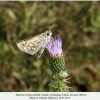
48, 34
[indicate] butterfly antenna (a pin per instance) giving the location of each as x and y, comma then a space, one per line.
51, 27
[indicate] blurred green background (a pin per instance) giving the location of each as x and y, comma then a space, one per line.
78, 24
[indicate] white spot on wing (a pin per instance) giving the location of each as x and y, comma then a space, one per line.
30, 45
24, 42
25, 49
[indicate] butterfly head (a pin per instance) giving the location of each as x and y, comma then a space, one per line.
48, 33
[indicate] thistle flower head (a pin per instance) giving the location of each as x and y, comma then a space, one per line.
55, 46
56, 60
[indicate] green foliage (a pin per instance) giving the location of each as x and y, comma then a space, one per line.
78, 24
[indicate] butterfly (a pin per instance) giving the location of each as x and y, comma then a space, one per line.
36, 44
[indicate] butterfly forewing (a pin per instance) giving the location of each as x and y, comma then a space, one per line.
30, 46
35, 44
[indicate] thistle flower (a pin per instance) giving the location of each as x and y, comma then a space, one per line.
56, 61
57, 64
55, 47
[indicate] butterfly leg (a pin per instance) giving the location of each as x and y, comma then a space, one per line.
40, 52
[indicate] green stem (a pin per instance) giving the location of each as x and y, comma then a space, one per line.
58, 83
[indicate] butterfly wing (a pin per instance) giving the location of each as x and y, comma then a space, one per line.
44, 44
35, 44
30, 46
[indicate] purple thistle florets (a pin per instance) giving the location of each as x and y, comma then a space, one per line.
55, 46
